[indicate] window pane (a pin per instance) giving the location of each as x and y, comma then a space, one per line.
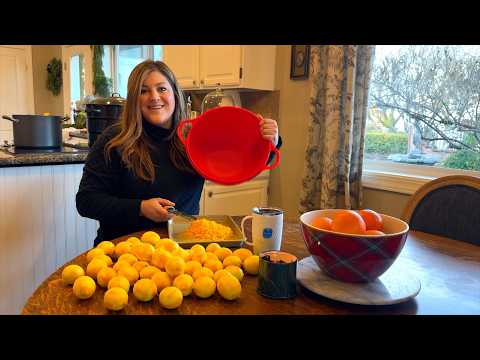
107, 60
424, 106
157, 52
128, 57
77, 80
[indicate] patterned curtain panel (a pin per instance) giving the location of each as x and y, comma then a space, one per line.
338, 111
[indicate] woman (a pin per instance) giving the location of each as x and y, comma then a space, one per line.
138, 168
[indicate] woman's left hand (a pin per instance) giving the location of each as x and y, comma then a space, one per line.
269, 129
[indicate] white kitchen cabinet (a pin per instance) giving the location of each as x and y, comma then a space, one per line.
234, 199
200, 67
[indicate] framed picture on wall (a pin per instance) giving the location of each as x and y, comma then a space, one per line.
299, 62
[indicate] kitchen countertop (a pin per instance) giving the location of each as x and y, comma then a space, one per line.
68, 156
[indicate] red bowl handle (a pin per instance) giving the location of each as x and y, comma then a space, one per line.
180, 128
277, 158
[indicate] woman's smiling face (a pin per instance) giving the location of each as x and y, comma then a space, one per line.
157, 101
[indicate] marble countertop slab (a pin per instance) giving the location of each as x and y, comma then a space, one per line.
33, 159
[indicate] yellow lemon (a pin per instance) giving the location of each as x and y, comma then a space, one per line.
170, 297
160, 257
123, 247
145, 289
220, 273
204, 287
201, 258
119, 264
105, 275
168, 244
129, 258
213, 265
251, 264
242, 253
175, 266
71, 273
212, 247
130, 273
95, 266
148, 271
211, 255
191, 266
150, 237
143, 251
197, 249
84, 287
108, 260
139, 265
119, 281
108, 247
235, 271
232, 260
222, 253
184, 283
181, 253
162, 280
115, 299
203, 272
133, 240
94, 253
229, 287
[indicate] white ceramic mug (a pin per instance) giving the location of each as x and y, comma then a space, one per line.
267, 226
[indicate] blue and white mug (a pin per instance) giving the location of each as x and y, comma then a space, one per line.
267, 226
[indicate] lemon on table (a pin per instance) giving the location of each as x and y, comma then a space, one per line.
115, 299
212, 247
119, 281
84, 287
94, 253
197, 249
175, 266
71, 273
232, 260
191, 266
243, 253
204, 287
202, 272
119, 264
221, 273
145, 289
251, 264
184, 283
139, 265
105, 275
180, 252
213, 264
235, 271
168, 244
160, 257
222, 253
229, 287
170, 297
148, 271
129, 258
150, 237
123, 247
162, 280
95, 266
108, 247
130, 273
211, 255
108, 260
143, 251
133, 240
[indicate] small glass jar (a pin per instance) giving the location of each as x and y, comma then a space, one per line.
215, 99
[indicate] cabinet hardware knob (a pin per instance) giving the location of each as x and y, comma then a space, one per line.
210, 194
194, 82
201, 82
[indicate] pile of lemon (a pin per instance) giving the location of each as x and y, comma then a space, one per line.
152, 265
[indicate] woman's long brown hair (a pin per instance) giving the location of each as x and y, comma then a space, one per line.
132, 142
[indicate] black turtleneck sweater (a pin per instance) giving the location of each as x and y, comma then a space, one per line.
112, 194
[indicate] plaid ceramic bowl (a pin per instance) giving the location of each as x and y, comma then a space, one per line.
353, 258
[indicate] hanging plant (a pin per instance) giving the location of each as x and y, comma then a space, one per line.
102, 85
54, 77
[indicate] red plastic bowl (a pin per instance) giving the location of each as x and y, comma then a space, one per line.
353, 258
225, 145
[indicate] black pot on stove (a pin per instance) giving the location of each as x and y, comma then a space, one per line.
101, 113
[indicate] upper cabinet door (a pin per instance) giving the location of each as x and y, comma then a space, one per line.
183, 60
220, 64
16, 85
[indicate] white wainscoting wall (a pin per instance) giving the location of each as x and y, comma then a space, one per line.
40, 228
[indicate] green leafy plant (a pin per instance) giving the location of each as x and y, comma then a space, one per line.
54, 76
102, 85
386, 143
463, 159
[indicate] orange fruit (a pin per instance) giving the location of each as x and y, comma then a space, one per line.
322, 222
349, 222
373, 220
374, 232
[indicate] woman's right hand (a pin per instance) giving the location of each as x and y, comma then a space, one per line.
155, 209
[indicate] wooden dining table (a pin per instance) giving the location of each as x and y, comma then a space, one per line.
448, 270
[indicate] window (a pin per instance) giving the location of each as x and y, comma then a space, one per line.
424, 115
119, 61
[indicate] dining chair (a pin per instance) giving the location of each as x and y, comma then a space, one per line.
448, 206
